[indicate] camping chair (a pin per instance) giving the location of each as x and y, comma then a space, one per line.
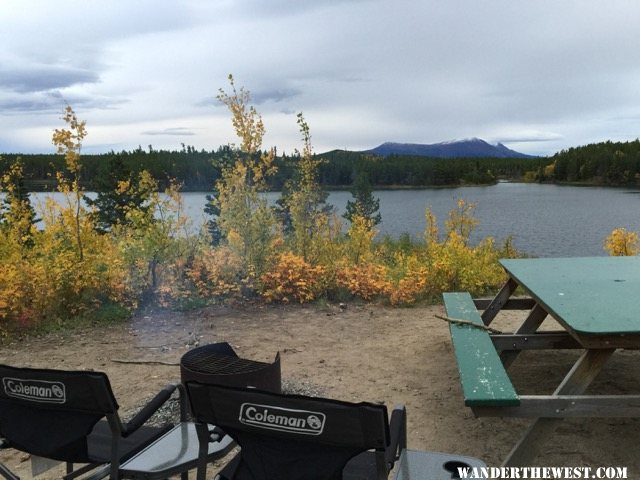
295, 437
71, 417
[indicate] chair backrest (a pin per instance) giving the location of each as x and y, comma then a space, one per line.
50, 412
290, 436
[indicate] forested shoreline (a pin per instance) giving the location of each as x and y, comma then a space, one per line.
604, 163
198, 170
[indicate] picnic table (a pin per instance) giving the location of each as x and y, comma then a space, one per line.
596, 302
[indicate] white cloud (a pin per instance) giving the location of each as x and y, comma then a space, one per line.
176, 131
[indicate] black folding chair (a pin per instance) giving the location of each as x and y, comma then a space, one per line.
72, 417
294, 437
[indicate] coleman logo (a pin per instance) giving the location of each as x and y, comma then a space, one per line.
283, 419
34, 390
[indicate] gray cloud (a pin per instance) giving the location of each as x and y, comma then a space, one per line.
546, 75
54, 101
46, 102
274, 95
178, 131
258, 97
39, 78
210, 101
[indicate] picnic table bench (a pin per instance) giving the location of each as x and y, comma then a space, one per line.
485, 381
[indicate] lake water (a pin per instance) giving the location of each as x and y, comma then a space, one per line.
544, 220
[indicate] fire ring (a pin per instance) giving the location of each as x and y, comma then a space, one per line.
218, 363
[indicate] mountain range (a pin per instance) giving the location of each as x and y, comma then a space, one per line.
472, 147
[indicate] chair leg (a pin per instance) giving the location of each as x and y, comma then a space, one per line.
202, 467
8, 474
71, 474
382, 470
102, 472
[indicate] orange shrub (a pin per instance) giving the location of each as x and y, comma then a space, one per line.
412, 285
292, 279
365, 280
216, 273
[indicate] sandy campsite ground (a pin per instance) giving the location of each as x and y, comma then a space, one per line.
361, 352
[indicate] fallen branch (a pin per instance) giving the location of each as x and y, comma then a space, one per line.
458, 321
145, 362
154, 346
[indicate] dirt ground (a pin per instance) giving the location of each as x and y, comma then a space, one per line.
355, 353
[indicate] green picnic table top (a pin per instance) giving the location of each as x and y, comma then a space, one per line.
590, 295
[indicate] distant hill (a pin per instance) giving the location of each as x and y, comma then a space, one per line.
473, 147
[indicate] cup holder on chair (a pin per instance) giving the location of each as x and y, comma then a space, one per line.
452, 466
426, 465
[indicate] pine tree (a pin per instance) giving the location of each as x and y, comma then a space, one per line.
212, 209
17, 217
364, 204
120, 192
223, 160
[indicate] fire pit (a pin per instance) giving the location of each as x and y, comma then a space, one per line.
218, 363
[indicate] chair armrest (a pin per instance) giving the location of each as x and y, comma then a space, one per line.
184, 404
398, 434
148, 410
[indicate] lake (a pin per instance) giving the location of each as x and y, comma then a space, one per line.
544, 220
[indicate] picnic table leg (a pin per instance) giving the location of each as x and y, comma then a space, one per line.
530, 325
576, 382
498, 302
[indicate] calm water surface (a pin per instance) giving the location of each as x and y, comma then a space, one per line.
544, 220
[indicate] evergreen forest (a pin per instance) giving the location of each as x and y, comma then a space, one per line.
604, 163
198, 170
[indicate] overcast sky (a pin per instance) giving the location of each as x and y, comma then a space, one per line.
536, 75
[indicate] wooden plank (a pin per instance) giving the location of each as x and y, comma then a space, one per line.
576, 382
534, 319
482, 375
497, 303
608, 341
567, 406
534, 341
523, 303
532, 322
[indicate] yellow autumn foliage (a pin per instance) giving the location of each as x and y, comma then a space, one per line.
365, 280
622, 242
413, 285
292, 279
50, 282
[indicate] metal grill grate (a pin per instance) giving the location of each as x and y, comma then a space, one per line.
217, 363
